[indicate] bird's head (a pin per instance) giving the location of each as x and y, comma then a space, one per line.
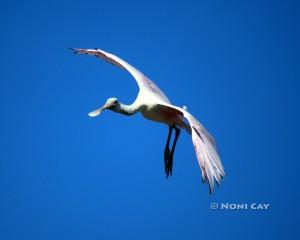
111, 104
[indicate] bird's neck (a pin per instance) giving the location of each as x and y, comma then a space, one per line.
128, 109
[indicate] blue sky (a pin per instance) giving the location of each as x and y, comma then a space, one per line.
63, 175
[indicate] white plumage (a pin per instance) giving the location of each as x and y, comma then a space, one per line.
154, 105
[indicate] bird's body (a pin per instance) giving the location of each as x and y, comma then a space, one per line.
154, 105
158, 113
163, 114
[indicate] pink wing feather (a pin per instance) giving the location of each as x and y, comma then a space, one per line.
143, 82
206, 152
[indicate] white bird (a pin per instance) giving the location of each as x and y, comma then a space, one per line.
154, 105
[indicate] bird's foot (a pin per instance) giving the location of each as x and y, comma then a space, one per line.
167, 154
170, 164
168, 158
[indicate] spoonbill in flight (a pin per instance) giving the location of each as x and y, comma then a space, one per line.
154, 105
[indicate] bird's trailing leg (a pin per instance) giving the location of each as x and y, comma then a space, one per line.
168, 155
177, 133
167, 152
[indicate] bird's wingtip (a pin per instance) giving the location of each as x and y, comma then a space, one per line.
75, 51
211, 189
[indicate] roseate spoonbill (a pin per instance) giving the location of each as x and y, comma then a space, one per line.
154, 105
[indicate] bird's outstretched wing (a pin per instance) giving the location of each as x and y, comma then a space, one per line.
143, 82
205, 147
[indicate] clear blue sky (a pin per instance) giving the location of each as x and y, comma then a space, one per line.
64, 175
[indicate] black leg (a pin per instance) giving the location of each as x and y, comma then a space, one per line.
177, 133
167, 152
